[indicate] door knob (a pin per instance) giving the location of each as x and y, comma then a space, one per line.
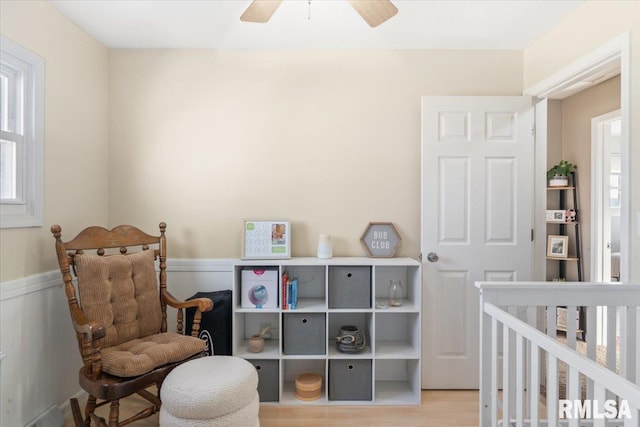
432, 257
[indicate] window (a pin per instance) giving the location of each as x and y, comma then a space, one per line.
21, 136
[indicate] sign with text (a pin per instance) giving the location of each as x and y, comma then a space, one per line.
381, 239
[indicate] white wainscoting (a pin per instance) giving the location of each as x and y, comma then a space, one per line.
41, 360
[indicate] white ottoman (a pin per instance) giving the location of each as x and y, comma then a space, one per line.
215, 391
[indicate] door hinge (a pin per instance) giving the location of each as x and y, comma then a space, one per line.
532, 234
533, 130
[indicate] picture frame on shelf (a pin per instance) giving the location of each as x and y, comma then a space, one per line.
557, 246
555, 215
266, 239
561, 215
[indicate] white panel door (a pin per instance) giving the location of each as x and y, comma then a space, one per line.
477, 202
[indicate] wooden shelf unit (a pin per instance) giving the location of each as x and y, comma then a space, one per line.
568, 199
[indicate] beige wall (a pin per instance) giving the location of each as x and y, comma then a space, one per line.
75, 133
577, 112
202, 139
592, 25
328, 139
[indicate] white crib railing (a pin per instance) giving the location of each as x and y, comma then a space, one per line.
522, 360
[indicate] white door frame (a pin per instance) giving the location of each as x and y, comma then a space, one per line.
600, 217
564, 83
599, 199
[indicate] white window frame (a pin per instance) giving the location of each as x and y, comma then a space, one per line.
27, 114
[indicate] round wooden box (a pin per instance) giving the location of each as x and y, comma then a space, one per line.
308, 386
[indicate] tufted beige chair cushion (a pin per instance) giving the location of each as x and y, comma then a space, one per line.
121, 292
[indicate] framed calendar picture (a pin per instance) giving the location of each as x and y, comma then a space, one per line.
270, 239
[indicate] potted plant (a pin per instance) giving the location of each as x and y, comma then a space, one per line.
558, 175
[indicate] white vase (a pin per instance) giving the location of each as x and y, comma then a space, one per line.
324, 247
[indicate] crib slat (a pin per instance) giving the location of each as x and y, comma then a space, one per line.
572, 330
532, 315
552, 389
532, 320
494, 372
519, 381
551, 326
514, 311
573, 391
599, 395
611, 337
506, 390
592, 342
572, 326
534, 389
552, 312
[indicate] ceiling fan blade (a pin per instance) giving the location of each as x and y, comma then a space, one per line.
260, 11
374, 12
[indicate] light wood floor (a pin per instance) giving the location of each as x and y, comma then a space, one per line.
438, 408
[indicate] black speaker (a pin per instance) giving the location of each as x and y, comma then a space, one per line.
215, 326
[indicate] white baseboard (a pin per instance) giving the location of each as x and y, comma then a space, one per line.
52, 417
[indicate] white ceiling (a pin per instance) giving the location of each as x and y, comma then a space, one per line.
419, 24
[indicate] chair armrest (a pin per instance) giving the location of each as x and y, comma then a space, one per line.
90, 330
202, 304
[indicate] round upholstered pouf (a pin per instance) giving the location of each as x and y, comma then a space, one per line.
213, 391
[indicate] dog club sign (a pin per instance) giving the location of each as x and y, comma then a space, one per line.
381, 239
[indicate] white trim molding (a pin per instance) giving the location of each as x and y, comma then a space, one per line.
39, 282
223, 265
593, 68
36, 283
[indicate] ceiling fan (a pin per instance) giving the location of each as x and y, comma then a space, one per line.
374, 12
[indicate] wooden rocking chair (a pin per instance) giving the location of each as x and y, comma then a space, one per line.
120, 318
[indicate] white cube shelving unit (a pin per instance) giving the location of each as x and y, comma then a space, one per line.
392, 334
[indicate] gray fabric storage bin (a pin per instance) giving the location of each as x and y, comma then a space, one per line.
304, 333
268, 379
350, 379
350, 287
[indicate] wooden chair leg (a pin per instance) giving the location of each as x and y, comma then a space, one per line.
114, 413
158, 388
76, 413
89, 409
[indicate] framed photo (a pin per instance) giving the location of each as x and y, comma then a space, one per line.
568, 215
556, 216
557, 246
269, 239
